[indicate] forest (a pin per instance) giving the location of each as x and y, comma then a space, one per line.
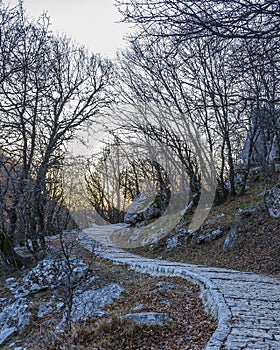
188, 109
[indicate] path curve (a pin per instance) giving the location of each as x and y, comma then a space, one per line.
246, 305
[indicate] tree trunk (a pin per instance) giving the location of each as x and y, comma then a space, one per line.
231, 167
7, 251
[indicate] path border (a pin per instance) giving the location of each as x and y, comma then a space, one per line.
210, 295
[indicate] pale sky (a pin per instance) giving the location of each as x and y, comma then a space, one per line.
90, 22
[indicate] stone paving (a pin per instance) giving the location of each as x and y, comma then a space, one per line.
246, 305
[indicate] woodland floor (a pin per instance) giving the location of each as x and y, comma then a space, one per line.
257, 248
191, 327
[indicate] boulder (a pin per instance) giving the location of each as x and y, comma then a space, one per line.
231, 239
210, 236
272, 201
135, 214
13, 319
44, 309
6, 334
147, 207
49, 273
149, 318
175, 240
246, 212
90, 303
265, 139
138, 307
165, 286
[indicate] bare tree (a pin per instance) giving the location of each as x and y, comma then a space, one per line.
159, 103
244, 19
51, 89
214, 63
260, 69
118, 174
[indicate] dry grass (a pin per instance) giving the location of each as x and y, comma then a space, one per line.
191, 328
257, 248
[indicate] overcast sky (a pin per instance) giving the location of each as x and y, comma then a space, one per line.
90, 22
93, 23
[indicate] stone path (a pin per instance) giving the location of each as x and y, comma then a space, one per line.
246, 305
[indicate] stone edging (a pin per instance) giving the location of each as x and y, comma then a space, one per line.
212, 298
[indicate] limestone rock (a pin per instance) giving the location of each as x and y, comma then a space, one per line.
147, 207
13, 319
136, 210
245, 212
50, 273
90, 303
265, 139
213, 219
44, 309
165, 286
210, 236
138, 307
232, 238
6, 334
133, 218
149, 318
175, 240
272, 201
3, 302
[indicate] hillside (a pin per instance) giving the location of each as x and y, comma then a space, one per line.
38, 309
254, 233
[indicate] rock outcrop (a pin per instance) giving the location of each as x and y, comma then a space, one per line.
263, 140
52, 274
149, 318
272, 201
145, 208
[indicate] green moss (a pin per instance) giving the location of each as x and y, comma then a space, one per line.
245, 205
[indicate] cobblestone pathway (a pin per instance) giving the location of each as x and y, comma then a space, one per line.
246, 305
